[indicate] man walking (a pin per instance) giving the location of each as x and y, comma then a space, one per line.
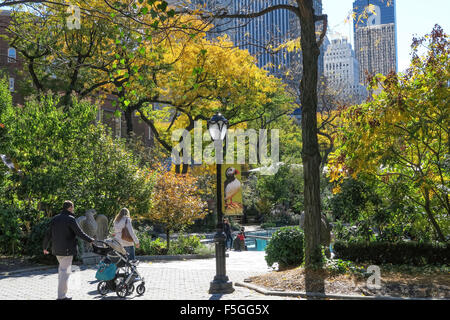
62, 233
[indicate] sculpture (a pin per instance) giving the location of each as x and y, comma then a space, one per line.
95, 227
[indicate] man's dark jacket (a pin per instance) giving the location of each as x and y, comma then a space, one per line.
63, 232
227, 229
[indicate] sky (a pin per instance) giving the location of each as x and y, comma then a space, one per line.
414, 18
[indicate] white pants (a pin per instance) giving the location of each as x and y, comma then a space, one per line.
64, 270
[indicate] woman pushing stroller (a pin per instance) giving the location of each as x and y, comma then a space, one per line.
119, 256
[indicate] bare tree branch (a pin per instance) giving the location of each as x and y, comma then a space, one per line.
323, 18
224, 14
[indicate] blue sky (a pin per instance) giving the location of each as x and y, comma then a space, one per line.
414, 17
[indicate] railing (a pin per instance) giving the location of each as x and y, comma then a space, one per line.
257, 237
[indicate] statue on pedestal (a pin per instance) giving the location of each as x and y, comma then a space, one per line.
95, 227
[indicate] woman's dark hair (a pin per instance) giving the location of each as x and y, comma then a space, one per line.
67, 204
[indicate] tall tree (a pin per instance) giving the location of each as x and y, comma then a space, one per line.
402, 136
310, 44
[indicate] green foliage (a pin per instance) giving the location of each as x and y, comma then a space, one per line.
11, 233
15, 225
267, 225
422, 270
399, 138
185, 244
151, 247
278, 199
412, 253
64, 154
182, 245
284, 187
286, 247
339, 266
347, 204
35, 239
377, 212
234, 225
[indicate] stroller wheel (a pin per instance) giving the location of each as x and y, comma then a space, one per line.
102, 288
122, 290
130, 289
140, 289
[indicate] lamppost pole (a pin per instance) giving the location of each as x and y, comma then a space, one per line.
217, 127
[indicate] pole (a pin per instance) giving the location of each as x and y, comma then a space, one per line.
221, 283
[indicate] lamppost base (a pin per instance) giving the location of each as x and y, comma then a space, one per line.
221, 287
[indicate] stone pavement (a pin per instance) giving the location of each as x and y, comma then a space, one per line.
165, 280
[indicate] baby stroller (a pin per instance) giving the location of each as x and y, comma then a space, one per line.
126, 274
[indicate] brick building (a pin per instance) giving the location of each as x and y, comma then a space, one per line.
10, 62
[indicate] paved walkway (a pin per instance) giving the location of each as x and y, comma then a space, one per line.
165, 280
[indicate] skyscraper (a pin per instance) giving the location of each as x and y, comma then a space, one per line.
341, 70
260, 36
375, 35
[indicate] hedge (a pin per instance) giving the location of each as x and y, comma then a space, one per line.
412, 253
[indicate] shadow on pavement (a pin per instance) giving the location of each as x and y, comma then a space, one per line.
216, 296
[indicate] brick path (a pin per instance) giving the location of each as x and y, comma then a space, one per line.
165, 280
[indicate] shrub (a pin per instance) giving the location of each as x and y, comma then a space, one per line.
35, 239
185, 245
15, 227
267, 225
151, 247
182, 245
339, 266
100, 172
285, 247
414, 253
11, 234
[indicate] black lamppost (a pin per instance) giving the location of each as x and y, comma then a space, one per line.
217, 127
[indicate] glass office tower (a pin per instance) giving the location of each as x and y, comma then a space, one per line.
375, 37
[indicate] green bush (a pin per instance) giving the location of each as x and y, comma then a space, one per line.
34, 245
413, 253
11, 233
182, 245
101, 172
15, 227
285, 247
185, 245
150, 247
267, 225
339, 266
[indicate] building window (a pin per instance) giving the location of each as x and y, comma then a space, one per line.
11, 84
11, 55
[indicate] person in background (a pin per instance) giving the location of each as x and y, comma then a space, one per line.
62, 233
241, 239
227, 231
243, 232
121, 221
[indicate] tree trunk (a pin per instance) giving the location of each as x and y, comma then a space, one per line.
310, 152
129, 120
431, 217
168, 239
